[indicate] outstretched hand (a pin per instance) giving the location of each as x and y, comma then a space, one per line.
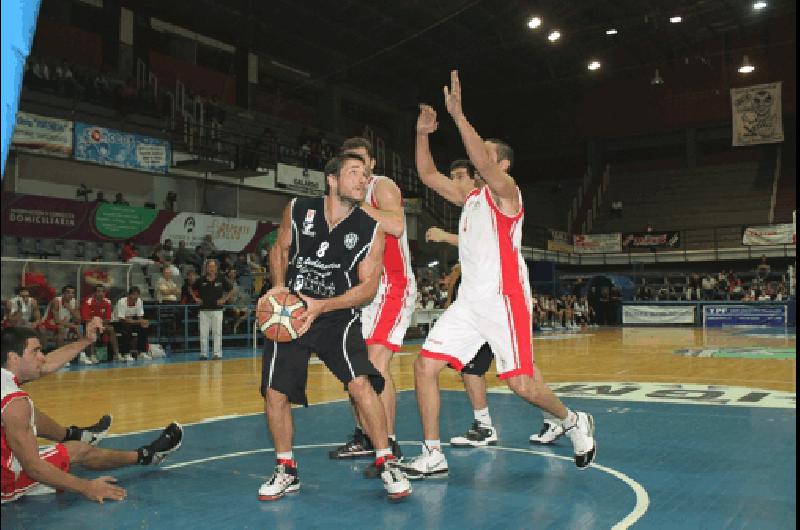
426, 121
93, 328
452, 96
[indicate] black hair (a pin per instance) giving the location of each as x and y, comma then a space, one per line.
504, 151
64, 289
15, 339
466, 164
134, 290
358, 142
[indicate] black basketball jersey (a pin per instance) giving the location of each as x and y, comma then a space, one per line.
323, 262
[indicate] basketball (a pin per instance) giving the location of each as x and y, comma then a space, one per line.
278, 316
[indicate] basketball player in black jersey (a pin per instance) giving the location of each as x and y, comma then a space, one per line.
329, 252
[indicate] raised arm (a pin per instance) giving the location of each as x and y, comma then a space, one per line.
437, 235
389, 214
502, 186
426, 168
59, 357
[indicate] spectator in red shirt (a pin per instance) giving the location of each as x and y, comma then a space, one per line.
128, 251
94, 276
98, 305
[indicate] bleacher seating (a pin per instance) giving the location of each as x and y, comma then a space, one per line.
688, 199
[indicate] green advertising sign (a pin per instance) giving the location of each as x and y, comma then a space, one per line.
122, 222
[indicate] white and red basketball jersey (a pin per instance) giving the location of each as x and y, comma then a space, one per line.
397, 269
489, 244
11, 468
64, 314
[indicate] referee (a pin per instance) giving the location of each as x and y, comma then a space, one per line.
211, 292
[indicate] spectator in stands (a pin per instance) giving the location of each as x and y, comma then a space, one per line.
183, 256
244, 273
119, 200
735, 287
187, 287
95, 275
708, 285
63, 316
644, 292
97, 305
166, 252
100, 197
212, 293
129, 319
23, 310
763, 267
199, 258
167, 291
131, 255
722, 286
240, 300
209, 248
693, 287
226, 263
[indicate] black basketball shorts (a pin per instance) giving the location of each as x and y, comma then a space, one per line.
338, 343
481, 363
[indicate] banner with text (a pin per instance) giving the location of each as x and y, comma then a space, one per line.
651, 239
110, 147
782, 234
299, 180
228, 233
559, 241
597, 243
757, 115
716, 316
657, 314
42, 135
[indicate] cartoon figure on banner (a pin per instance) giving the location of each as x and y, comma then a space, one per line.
759, 117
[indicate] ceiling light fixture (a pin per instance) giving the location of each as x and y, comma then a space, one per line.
534, 22
758, 6
554, 35
675, 20
746, 67
657, 79
594, 65
611, 31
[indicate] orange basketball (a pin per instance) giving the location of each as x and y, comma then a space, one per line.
278, 316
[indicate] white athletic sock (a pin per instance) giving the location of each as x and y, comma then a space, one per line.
546, 416
433, 445
570, 420
382, 453
483, 417
393, 437
288, 455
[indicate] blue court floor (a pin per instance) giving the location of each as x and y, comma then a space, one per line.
659, 465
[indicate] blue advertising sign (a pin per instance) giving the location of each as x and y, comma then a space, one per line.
715, 316
110, 147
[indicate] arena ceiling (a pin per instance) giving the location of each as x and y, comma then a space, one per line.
403, 50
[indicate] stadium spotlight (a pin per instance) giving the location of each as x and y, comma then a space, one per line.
611, 31
675, 19
746, 67
554, 35
594, 65
657, 79
758, 6
534, 22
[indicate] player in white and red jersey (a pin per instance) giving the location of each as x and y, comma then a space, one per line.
62, 315
385, 320
494, 302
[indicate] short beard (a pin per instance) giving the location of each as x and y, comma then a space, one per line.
348, 200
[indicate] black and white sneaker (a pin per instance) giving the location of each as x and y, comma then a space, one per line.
284, 480
170, 441
431, 463
582, 436
356, 447
92, 434
551, 431
477, 436
394, 480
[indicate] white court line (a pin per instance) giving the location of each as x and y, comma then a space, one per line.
642, 498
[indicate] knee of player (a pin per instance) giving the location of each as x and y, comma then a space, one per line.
275, 399
424, 366
358, 386
521, 384
77, 451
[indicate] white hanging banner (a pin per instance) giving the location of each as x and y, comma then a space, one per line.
757, 114
769, 235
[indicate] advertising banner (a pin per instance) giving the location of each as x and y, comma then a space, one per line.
110, 147
42, 135
299, 180
783, 234
559, 246
658, 314
651, 239
716, 316
597, 243
757, 115
228, 233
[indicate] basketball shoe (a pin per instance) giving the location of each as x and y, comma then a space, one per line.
551, 431
581, 434
372, 470
431, 463
167, 443
357, 446
284, 480
90, 435
395, 481
478, 435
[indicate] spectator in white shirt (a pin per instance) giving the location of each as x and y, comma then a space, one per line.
129, 319
167, 290
708, 284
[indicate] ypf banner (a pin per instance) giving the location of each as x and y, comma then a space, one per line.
757, 116
597, 243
